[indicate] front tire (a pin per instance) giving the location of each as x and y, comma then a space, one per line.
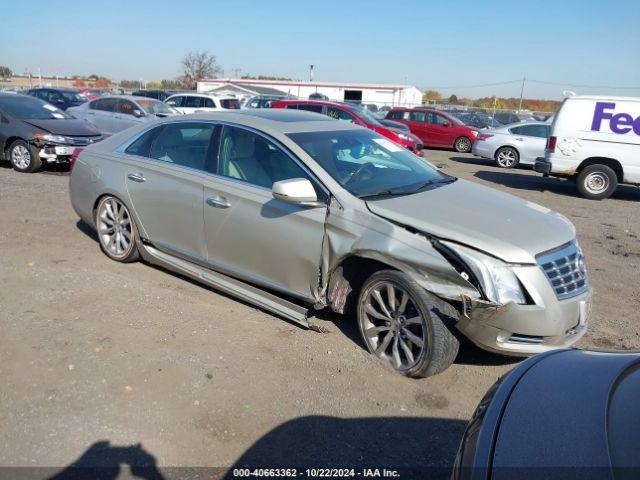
597, 182
507, 157
462, 145
23, 157
403, 325
116, 230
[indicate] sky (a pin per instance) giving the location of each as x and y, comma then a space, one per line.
467, 48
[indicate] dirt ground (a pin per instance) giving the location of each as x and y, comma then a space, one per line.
97, 357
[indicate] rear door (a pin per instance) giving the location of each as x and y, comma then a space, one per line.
531, 141
250, 234
167, 168
419, 126
100, 112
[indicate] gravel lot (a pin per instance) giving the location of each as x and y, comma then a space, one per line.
96, 351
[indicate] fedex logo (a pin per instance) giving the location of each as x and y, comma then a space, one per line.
620, 123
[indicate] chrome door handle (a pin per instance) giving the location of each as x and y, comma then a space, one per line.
136, 177
519, 139
218, 202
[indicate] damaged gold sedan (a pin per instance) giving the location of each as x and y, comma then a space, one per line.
293, 211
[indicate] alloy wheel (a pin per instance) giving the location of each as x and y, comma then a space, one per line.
20, 157
114, 227
463, 145
392, 325
506, 158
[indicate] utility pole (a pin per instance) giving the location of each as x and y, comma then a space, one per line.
39, 77
310, 73
524, 79
495, 101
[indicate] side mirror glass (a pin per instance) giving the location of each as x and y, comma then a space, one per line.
298, 191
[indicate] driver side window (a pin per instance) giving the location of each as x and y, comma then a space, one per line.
251, 158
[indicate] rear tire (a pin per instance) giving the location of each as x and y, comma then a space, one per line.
24, 157
116, 230
597, 182
404, 325
462, 145
507, 157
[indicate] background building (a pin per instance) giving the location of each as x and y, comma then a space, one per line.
380, 95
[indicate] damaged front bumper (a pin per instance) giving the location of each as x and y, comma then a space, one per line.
512, 329
61, 152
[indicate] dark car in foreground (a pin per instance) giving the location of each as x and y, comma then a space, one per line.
62, 98
33, 131
567, 414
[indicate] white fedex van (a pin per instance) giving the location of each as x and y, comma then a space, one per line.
597, 140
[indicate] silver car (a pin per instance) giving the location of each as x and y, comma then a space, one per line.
512, 145
294, 212
112, 114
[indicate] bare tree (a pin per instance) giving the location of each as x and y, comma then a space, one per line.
198, 65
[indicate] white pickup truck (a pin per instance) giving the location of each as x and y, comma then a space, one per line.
596, 140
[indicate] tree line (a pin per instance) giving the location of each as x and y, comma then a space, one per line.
500, 103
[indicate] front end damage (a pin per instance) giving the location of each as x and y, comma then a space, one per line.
537, 324
60, 148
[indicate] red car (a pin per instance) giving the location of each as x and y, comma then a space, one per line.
355, 114
435, 128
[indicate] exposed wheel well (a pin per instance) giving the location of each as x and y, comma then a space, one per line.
355, 270
7, 144
609, 162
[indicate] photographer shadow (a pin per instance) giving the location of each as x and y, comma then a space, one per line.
102, 461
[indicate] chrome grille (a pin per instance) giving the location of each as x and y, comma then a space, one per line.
565, 270
83, 141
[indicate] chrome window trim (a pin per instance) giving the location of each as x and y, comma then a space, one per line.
121, 149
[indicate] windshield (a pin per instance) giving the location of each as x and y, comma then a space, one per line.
368, 165
154, 107
366, 114
29, 108
73, 97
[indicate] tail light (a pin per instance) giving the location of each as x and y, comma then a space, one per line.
74, 157
551, 144
484, 136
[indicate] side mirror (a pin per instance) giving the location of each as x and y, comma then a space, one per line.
298, 191
446, 124
138, 113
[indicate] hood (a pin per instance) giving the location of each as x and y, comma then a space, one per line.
497, 223
68, 126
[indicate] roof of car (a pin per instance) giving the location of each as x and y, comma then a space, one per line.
133, 98
200, 94
284, 121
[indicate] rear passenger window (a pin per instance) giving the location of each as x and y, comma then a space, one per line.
310, 108
104, 104
418, 117
142, 145
193, 102
184, 144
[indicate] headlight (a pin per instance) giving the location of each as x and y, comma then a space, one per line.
52, 138
499, 283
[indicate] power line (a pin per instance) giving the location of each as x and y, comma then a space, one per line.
509, 82
583, 86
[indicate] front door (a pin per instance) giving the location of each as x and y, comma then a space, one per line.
165, 180
124, 116
440, 130
249, 233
